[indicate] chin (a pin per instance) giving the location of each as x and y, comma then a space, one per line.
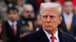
49, 29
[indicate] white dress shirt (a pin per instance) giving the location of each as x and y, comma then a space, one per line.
68, 16
49, 35
15, 24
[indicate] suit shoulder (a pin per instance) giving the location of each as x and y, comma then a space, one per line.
4, 22
68, 37
65, 34
30, 37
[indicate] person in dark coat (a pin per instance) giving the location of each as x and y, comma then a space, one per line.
12, 25
50, 18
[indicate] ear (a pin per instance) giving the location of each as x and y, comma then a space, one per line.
39, 18
60, 19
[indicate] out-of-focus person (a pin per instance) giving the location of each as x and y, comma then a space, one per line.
27, 17
50, 18
3, 37
10, 3
68, 19
3, 8
37, 24
0, 28
20, 4
11, 25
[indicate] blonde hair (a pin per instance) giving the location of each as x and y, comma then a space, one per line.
51, 5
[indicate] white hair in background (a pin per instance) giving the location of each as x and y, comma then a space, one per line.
51, 5
68, 3
27, 6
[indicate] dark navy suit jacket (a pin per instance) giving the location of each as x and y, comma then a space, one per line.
40, 36
9, 34
73, 26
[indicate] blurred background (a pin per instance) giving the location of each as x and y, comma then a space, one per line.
19, 18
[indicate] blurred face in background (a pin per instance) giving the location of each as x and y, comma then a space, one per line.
68, 7
37, 21
20, 2
0, 27
28, 11
13, 15
47, 0
50, 19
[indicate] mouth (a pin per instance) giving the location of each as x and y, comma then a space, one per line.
48, 26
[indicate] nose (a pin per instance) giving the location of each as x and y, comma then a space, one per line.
48, 19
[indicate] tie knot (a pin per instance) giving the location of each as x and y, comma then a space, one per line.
12, 24
52, 34
52, 37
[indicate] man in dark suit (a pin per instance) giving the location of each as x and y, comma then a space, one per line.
68, 23
27, 19
11, 25
50, 18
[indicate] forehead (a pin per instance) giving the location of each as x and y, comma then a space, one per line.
11, 11
49, 11
69, 3
28, 7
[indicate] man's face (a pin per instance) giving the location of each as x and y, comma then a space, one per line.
20, 2
0, 27
50, 19
28, 12
13, 15
47, 0
68, 7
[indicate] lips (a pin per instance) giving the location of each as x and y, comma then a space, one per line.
48, 23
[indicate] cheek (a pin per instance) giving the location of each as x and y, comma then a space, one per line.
65, 8
55, 22
42, 21
9, 16
15, 16
58, 21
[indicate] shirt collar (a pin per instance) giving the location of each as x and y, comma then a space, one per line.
10, 22
49, 35
70, 14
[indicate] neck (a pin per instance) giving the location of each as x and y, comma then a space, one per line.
51, 31
67, 13
12, 20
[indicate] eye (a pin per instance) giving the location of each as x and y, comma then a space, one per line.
45, 16
52, 16
27, 11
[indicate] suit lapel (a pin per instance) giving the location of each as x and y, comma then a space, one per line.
18, 28
73, 21
42, 36
8, 27
63, 24
60, 36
